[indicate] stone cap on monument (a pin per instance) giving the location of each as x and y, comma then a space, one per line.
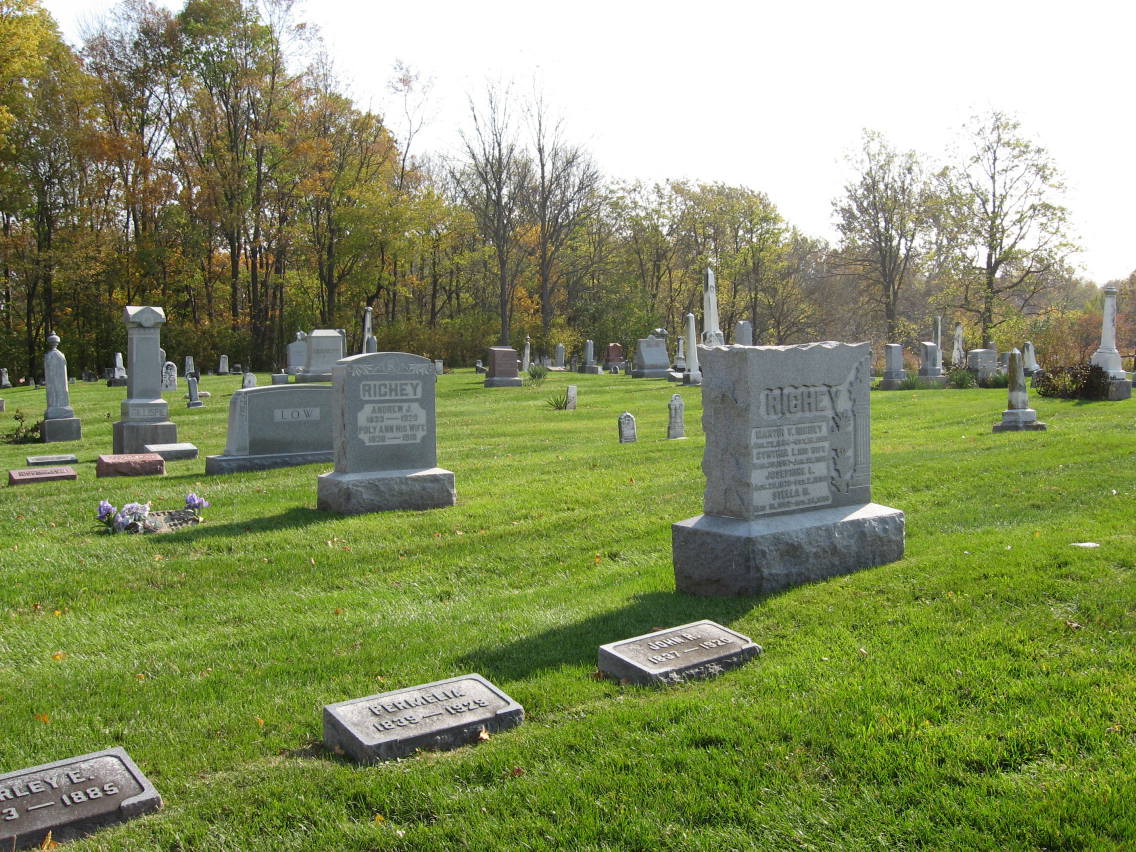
145, 316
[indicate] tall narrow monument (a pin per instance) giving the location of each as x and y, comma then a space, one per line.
1018, 416
145, 415
370, 342
711, 333
692, 375
1107, 357
59, 420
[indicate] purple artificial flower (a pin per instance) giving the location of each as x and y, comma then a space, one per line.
192, 501
120, 522
106, 511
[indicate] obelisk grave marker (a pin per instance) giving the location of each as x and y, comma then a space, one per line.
384, 437
788, 474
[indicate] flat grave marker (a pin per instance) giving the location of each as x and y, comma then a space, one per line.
696, 650
130, 464
436, 716
40, 474
53, 460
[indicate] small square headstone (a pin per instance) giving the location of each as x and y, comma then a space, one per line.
571, 398
696, 650
441, 715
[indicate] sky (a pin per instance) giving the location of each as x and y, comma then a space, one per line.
769, 96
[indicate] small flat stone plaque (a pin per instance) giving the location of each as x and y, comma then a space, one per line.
173, 452
56, 460
71, 798
435, 716
23, 476
130, 464
695, 650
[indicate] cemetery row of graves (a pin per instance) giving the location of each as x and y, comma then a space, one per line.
468, 635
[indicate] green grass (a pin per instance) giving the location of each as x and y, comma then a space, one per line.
978, 694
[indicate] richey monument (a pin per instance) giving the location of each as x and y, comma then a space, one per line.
788, 474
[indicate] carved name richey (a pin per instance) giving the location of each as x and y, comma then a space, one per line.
782, 402
390, 390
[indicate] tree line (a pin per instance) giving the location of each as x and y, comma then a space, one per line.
210, 162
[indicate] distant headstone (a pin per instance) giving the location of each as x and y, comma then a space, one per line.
526, 359
194, 396
788, 472
248, 380
1107, 357
297, 354
279, 378
693, 373
1018, 416
651, 358
385, 437
442, 715
325, 347
958, 352
502, 370
984, 362
223, 366
117, 378
370, 342
439, 367
590, 365
743, 333
613, 355
47, 461
40, 474
1029, 359
627, 434
59, 420
558, 362
88, 376
237, 370
173, 452
931, 364
68, 799
676, 425
894, 372
479, 368
711, 332
680, 355
169, 376
145, 415
130, 464
697, 650
4, 380
190, 369
276, 426
570, 397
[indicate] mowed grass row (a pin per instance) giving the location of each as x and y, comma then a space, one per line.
980, 693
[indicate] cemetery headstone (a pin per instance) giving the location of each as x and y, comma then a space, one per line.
276, 426
190, 369
502, 370
223, 366
173, 452
613, 355
696, 650
385, 437
693, 374
788, 472
297, 354
439, 367
1018, 416
48, 461
325, 347
711, 332
570, 398
279, 378
627, 434
370, 342
237, 370
1107, 357
983, 362
41, 474
526, 359
169, 376
130, 464
931, 365
743, 333
5, 382
590, 365
71, 798
651, 358
436, 716
937, 332
1029, 359
680, 355
145, 415
479, 368
248, 380
894, 373
59, 420
558, 362
118, 376
194, 396
676, 422
958, 353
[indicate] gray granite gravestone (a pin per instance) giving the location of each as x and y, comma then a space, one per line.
117, 378
526, 359
958, 350
5, 382
71, 798
1018, 416
788, 472
627, 433
56, 459
711, 332
696, 650
190, 369
194, 397
223, 366
1107, 357
931, 365
276, 426
894, 373
743, 333
279, 378
145, 415
248, 380
439, 367
1029, 359
384, 436
651, 358
59, 420
325, 347
173, 452
983, 362
502, 368
676, 425
558, 362
693, 373
445, 714
570, 398
590, 365
297, 354
169, 376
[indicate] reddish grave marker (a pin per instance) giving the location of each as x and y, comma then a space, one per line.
130, 464
23, 476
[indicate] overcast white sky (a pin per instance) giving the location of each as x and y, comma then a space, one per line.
769, 96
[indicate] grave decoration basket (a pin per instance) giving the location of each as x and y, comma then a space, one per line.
138, 518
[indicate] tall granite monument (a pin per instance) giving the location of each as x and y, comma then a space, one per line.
788, 472
1107, 357
711, 332
145, 415
59, 420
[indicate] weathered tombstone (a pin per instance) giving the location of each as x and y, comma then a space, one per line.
190, 369
276, 426
1029, 359
279, 378
696, 650
558, 362
613, 356
680, 355
130, 464
693, 373
983, 362
676, 423
651, 358
47, 461
370, 342
570, 398
958, 353
223, 366
88, 376
145, 415
526, 359
931, 365
248, 380
502, 370
40, 474
439, 367
194, 398
5, 382
59, 420
743, 333
894, 373
68, 799
479, 368
169, 376
590, 365
711, 332
384, 436
297, 353
1018, 416
442, 715
1107, 357
627, 434
237, 370
325, 347
118, 376
788, 472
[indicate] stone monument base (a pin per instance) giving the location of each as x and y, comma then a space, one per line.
61, 429
129, 437
593, 370
645, 373
1119, 389
692, 378
264, 461
1019, 420
503, 381
385, 491
716, 556
893, 379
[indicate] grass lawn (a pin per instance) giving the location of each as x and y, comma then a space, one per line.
978, 694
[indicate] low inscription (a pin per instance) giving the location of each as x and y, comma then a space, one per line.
700, 649
145, 412
402, 423
295, 415
40, 474
791, 466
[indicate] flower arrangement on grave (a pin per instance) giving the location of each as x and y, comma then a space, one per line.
137, 517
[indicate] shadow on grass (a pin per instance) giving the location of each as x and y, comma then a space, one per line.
294, 518
578, 643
